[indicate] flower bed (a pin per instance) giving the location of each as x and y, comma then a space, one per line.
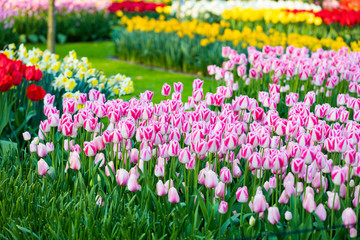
152, 42
273, 150
75, 20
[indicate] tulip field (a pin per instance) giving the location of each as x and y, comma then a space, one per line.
261, 142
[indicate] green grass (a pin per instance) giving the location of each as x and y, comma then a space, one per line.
100, 55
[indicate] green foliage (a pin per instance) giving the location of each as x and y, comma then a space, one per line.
70, 27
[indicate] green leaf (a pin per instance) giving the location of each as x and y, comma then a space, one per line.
61, 38
27, 231
33, 38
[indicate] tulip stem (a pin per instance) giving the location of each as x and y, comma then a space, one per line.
220, 226
246, 171
295, 209
347, 198
332, 213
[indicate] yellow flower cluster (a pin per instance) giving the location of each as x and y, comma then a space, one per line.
70, 71
270, 16
221, 32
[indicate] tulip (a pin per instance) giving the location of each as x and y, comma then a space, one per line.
337, 175
184, 155
349, 217
26, 136
145, 154
100, 157
161, 189
230, 141
331, 203
74, 160
122, 177
90, 149
133, 184
173, 195
166, 89
225, 175
43, 167
127, 130
309, 202
220, 190
321, 212
41, 150
134, 155
109, 167
353, 233
159, 170
223, 207
99, 201
211, 179
201, 147
242, 194
252, 221
288, 216
273, 215
173, 148
259, 203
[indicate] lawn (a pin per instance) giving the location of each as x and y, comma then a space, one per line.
101, 55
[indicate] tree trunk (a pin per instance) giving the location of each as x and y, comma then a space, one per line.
178, 10
51, 31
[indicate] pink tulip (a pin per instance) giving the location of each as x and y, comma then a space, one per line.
225, 175
331, 203
133, 184
74, 160
255, 160
242, 194
211, 179
173, 195
122, 177
337, 175
297, 165
259, 203
41, 150
309, 202
353, 233
173, 148
349, 217
100, 157
99, 143
90, 149
145, 154
230, 141
184, 155
321, 212
161, 189
159, 170
246, 151
26, 136
99, 201
90, 124
201, 147
214, 144
43, 167
273, 215
134, 155
109, 167
127, 130
178, 87
166, 89
220, 190
223, 207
